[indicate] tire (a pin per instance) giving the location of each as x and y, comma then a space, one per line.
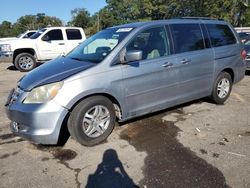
25, 62
222, 88
92, 120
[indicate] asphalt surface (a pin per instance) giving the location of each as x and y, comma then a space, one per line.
198, 144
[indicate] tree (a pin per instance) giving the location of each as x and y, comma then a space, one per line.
28, 22
80, 18
5, 29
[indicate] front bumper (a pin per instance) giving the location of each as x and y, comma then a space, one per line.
6, 56
40, 123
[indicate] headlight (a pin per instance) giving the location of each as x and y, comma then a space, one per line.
5, 47
44, 93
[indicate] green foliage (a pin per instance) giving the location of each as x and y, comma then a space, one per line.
28, 22
5, 29
80, 18
237, 12
125, 11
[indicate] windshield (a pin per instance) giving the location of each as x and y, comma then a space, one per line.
19, 36
97, 47
37, 34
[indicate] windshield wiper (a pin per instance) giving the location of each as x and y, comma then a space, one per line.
76, 58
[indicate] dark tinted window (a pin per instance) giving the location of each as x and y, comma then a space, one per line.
152, 42
206, 36
55, 34
37, 34
187, 37
220, 35
73, 34
30, 33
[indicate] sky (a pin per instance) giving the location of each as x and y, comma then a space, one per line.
11, 10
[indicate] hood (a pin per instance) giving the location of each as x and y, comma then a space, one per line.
53, 71
19, 43
6, 39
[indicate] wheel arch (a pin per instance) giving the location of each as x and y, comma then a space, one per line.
231, 72
117, 105
24, 50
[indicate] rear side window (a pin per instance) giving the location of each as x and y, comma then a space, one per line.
187, 37
220, 35
73, 34
55, 34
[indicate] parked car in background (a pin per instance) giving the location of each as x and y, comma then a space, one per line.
124, 72
244, 36
26, 34
46, 44
247, 48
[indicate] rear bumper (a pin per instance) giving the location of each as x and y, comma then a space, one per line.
6, 56
248, 63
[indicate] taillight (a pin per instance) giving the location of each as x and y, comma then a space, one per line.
243, 54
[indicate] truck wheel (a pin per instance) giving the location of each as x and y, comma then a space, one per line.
222, 88
92, 120
25, 62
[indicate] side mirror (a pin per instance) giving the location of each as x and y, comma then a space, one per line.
45, 38
133, 55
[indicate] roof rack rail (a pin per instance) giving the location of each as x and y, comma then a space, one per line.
199, 18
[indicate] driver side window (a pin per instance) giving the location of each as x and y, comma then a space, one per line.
152, 42
55, 34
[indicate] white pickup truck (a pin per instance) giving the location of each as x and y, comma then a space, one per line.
26, 34
46, 44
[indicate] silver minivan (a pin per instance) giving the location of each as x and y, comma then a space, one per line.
124, 72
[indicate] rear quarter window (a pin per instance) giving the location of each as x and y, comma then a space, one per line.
73, 34
220, 35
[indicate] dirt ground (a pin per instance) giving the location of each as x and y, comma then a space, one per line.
198, 144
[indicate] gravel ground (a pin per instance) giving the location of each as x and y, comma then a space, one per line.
198, 144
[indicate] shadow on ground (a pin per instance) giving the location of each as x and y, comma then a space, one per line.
247, 73
13, 68
110, 173
169, 163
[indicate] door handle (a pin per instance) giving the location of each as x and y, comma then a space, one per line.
61, 43
167, 65
185, 61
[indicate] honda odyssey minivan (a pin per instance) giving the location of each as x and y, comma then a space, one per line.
124, 72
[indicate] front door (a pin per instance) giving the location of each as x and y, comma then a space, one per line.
151, 83
52, 44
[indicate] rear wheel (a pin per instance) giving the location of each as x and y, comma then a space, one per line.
25, 62
222, 88
92, 120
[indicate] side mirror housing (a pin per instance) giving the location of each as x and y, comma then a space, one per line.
45, 38
133, 55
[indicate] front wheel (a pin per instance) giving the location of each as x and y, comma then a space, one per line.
92, 120
222, 88
25, 62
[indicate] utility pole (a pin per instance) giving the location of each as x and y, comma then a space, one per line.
98, 22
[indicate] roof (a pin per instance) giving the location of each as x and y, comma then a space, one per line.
168, 21
62, 27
